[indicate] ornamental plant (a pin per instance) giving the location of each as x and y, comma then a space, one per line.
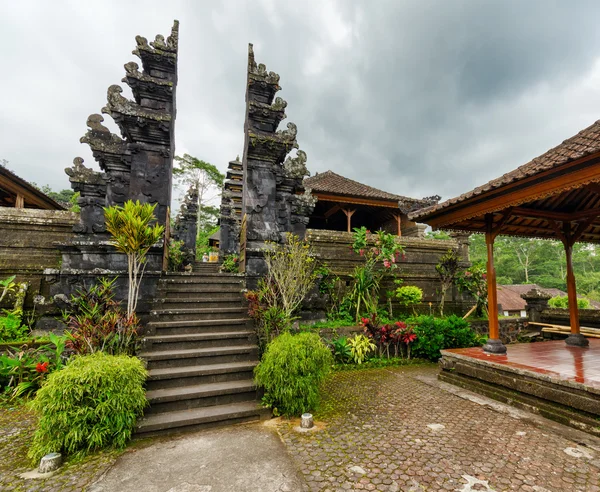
474, 281
389, 338
435, 334
133, 234
360, 347
176, 255
231, 263
92, 403
448, 268
291, 370
409, 296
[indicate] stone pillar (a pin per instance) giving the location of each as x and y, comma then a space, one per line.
231, 208
185, 227
536, 301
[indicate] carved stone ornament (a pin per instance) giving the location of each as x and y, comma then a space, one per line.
295, 167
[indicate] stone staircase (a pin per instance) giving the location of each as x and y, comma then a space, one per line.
201, 351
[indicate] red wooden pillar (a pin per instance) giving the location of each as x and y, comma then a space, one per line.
399, 225
349, 213
494, 345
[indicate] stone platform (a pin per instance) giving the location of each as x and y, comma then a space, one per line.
549, 378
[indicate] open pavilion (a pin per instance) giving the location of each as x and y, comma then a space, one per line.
554, 196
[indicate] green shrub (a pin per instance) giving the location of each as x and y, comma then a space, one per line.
342, 352
91, 403
409, 295
231, 263
435, 334
176, 255
291, 370
360, 347
11, 328
562, 302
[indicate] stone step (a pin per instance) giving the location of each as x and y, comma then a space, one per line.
192, 314
201, 279
223, 301
200, 395
199, 418
194, 290
205, 373
198, 356
199, 340
197, 326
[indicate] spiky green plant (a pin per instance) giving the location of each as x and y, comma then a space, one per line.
133, 234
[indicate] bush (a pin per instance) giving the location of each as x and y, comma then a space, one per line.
176, 255
98, 323
409, 295
435, 334
231, 263
11, 328
360, 347
562, 302
291, 371
91, 403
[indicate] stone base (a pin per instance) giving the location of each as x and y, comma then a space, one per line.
494, 346
577, 340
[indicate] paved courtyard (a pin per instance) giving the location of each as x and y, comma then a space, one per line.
391, 430
383, 429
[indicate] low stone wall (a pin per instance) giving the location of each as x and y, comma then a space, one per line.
509, 328
418, 268
28, 240
587, 317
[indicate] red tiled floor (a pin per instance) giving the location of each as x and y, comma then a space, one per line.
554, 358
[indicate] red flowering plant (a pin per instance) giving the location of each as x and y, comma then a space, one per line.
388, 336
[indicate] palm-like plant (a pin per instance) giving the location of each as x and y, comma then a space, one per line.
132, 234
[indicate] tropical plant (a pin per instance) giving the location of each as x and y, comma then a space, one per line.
8, 286
97, 322
360, 347
132, 234
176, 255
291, 370
364, 293
474, 281
435, 334
23, 369
341, 350
409, 296
562, 302
231, 263
11, 327
447, 269
92, 403
270, 320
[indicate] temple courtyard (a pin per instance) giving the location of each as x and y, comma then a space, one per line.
389, 429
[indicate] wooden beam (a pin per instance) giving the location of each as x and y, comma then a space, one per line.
399, 219
551, 182
20, 201
572, 291
497, 227
349, 213
331, 211
328, 197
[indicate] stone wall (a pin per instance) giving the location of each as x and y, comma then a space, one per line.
28, 240
418, 267
509, 328
587, 317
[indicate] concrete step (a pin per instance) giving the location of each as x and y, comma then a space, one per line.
195, 290
199, 340
199, 418
197, 326
200, 395
205, 373
192, 314
223, 301
198, 356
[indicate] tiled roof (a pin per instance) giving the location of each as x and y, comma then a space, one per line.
585, 143
509, 296
10, 175
330, 182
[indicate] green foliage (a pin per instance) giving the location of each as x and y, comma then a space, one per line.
435, 334
8, 286
439, 235
409, 295
90, 404
98, 323
364, 293
205, 230
474, 281
269, 318
176, 255
342, 352
23, 369
291, 371
562, 302
11, 327
132, 234
360, 347
231, 263
447, 268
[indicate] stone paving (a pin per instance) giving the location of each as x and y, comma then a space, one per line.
386, 430
16, 431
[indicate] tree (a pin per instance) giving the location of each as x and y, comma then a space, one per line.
447, 268
132, 234
191, 171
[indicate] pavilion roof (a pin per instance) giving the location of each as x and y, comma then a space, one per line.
332, 183
13, 185
558, 187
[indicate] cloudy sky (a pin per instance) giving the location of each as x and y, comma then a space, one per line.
414, 97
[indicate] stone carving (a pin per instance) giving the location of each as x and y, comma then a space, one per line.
185, 227
91, 186
412, 205
274, 200
231, 208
